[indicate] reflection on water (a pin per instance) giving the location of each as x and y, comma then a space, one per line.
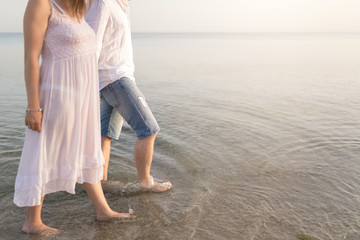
260, 137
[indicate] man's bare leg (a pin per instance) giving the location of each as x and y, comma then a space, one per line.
106, 149
33, 223
143, 155
103, 210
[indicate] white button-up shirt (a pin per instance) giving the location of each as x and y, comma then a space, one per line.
111, 23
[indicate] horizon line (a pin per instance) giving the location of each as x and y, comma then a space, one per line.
239, 32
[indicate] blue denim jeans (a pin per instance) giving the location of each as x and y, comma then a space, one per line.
122, 100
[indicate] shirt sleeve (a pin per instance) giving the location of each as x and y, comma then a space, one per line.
97, 17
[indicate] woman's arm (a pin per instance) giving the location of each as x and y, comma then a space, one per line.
36, 18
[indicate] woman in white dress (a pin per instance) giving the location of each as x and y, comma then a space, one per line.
62, 144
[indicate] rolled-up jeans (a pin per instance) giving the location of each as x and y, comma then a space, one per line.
122, 100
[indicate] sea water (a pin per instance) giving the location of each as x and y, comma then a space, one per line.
260, 136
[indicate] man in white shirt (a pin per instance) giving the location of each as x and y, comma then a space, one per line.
120, 97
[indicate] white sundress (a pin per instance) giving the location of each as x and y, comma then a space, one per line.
68, 148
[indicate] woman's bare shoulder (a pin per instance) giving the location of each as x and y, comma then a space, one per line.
39, 6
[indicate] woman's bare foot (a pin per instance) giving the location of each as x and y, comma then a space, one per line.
112, 215
153, 186
41, 230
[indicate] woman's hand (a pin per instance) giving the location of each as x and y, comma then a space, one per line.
33, 120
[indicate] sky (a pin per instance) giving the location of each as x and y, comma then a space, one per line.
224, 15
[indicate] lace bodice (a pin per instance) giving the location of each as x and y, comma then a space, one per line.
66, 37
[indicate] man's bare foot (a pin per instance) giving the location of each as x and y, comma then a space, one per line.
153, 186
40, 230
112, 215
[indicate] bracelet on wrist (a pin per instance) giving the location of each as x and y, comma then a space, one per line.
34, 110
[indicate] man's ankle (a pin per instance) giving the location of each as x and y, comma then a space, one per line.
147, 181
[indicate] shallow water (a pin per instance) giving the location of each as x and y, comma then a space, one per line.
260, 138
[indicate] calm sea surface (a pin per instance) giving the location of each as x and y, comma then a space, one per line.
260, 138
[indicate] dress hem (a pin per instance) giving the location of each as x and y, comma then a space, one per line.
32, 197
